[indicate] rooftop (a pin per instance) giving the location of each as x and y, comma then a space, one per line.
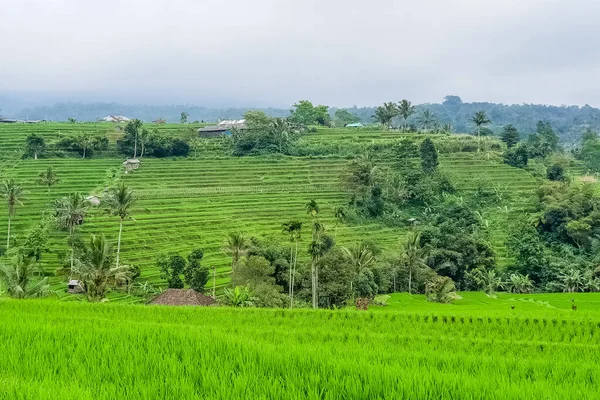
183, 297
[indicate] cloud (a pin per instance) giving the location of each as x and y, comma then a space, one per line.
274, 52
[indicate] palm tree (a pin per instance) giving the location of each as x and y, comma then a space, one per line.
236, 246
119, 202
48, 178
440, 289
11, 191
413, 256
70, 213
293, 229
518, 283
384, 114
405, 109
18, 276
360, 256
572, 280
340, 214
426, 120
94, 269
480, 118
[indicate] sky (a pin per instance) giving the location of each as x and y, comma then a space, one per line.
274, 52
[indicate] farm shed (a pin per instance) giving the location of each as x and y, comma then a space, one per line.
95, 201
356, 125
115, 118
131, 164
74, 287
182, 297
222, 127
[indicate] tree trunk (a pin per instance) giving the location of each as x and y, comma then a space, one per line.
314, 283
409, 281
479, 138
119, 241
143, 149
35, 155
294, 273
214, 281
135, 146
8, 235
291, 266
83, 152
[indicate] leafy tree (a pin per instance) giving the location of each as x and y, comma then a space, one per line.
322, 117
292, 228
34, 145
360, 256
526, 248
361, 176
319, 246
590, 153
119, 201
12, 192
518, 283
581, 232
556, 173
132, 130
36, 242
480, 119
335, 271
344, 117
48, 178
304, 114
572, 280
171, 267
413, 258
18, 278
405, 110
510, 135
386, 113
486, 280
440, 289
429, 156
544, 142
184, 117
69, 213
452, 101
236, 246
239, 296
196, 276
426, 120
94, 269
517, 156
180, 148
366, 287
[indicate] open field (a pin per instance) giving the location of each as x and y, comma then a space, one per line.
63, 350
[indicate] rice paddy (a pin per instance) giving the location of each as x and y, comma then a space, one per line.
54, 349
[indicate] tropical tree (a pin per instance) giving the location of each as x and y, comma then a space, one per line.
84, 141
340, 214
360, 257
486, 280
480, 118
48, 178
35, 145
518, 283
70, 212
94, 270
510, 135
239, 296
18, 278
319, 246
384, 114
184, 117
12, 192
236, 246
572, 280
429, 156
119, 202
405, 110
426, 120
440, 289
413, 257
132, 129
293, 229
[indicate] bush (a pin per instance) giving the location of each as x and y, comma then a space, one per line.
517, 156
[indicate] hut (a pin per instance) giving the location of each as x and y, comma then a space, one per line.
183, 297
74, 287
131, 164
223, 127
93, 200
356, 125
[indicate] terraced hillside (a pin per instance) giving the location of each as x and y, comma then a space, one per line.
188, 203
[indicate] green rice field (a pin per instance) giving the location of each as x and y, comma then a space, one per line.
477, 348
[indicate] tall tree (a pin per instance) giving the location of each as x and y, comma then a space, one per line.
119, 202
48, 178
360, 257
429, 156
12, 192
133, 129
35, 145
319, 246
184, 117
413, 257
70, 212
510, 135
384, 114
293, 229
344, 117
480, 119
18, 277
236, 246
84, 140
426, 120
405, 110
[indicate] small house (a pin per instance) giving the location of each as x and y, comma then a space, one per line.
93, 200
74, 287
355, 125
131, 164
183, 297
115, 118
223, 127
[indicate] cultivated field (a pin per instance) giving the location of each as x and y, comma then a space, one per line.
539, 350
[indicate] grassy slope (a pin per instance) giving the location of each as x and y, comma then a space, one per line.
188, 203
96, 351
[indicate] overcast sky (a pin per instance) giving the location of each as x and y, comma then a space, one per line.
274, 52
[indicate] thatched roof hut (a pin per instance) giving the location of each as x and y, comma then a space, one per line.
183, 297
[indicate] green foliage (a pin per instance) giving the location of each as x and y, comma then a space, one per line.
518, 283
385, 114
196, 276
239, 296
34, 146
366, 287
304, 114
556, 173
510, 135
528, 251
171, 267
544, 142
517, 156
429, 157
405, 110
48, 178
590, 152
440, 289
265, 135
344, 117
18, 277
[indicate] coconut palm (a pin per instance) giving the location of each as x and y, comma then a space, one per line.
119, 202
413, 257
480, 118
236, 246
384, 114
518, 283
360, 256
340, 214
426, 120
94, 270
70, 212
572, 280
440, 289
12, 192
293, 229
18, 278
405, 110
48, 178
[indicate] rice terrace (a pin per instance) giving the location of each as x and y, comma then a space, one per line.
280, 200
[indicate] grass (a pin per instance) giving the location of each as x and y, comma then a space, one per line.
64, 350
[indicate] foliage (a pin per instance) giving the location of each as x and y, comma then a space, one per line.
440, 289
510, 135
196, 276
18, 278
405, 110
528, 252
366, 287
429, 157
304, 114
486, 280
12, 192
543, 142
385, 114
556, 173
34, 145
265, 135
517, 156
343, 117
239, 296
590, 152
171, 267
48, 178
518, 283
